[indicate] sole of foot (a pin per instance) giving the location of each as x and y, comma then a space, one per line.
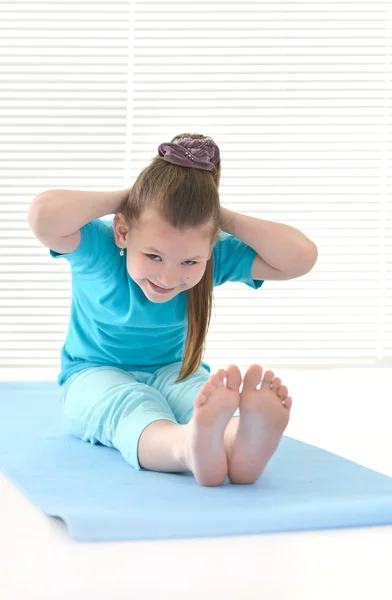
218, 399
264, 415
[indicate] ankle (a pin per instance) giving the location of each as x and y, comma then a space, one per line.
180, 450
230, 435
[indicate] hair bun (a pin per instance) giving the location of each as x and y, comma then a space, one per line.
188, 152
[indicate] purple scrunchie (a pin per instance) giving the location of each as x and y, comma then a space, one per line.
187, 152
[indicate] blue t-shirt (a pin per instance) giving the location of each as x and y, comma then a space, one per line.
112, 322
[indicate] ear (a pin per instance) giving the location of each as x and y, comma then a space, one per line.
120, 229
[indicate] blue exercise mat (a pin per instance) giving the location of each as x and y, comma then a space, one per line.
102, 498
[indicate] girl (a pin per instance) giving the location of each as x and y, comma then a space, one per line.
131, 366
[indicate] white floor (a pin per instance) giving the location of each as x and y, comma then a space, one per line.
347, 412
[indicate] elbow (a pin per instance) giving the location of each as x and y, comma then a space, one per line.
35, 211
310, 256
32, 212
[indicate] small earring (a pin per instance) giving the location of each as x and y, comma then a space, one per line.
122, 252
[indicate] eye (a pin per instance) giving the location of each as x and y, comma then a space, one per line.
194, 262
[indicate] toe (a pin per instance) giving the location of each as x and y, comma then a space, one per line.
252, 377
233, 377
282, 391
267, 379
221, 375
216, 380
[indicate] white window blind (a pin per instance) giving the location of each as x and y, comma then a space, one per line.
298, 97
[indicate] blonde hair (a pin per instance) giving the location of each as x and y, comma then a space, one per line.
185, 197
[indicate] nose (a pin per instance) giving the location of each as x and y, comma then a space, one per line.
167, 283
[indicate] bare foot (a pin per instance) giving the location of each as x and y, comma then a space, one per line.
204, 451
264, 415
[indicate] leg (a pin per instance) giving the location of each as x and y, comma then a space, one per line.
161, 443
181, 397
166, 446
203, 405
109, 406
160, 447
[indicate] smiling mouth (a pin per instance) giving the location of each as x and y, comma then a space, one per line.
161, 288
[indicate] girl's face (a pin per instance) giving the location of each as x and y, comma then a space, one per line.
158, 254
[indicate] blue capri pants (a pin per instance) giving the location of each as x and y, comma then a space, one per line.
112, 407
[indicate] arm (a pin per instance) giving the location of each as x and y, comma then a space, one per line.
63, 212
281, 246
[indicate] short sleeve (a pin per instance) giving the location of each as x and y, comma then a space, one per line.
96, 249
233, 261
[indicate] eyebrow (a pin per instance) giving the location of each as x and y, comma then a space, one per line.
158, 252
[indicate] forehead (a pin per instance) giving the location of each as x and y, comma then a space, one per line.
156, 235
151, 224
